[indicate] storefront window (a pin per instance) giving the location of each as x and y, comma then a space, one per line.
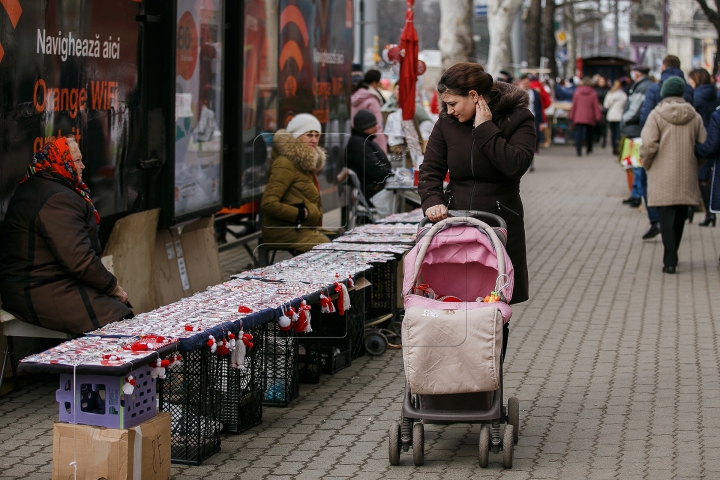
198, 105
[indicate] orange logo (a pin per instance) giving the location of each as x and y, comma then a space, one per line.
186, 46
14, 10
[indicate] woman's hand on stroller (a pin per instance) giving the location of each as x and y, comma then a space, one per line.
436, 213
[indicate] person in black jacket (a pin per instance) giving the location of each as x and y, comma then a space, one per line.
366, 158
705, 101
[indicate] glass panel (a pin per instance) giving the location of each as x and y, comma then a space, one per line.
198, 105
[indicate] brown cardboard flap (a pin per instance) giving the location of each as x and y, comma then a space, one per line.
142, 452
360, 283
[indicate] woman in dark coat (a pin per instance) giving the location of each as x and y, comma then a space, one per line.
705, 101
365, 157
485, 137
51, 274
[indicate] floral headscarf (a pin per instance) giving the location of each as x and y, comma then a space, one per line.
55, 157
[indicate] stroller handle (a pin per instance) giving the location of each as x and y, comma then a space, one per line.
496, 243
496, 219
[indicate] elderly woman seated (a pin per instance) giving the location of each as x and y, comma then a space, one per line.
50, 269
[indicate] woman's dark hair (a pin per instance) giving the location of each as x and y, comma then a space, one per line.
701, 77
463, 77
372, 76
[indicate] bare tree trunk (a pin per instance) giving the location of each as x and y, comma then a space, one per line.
714, 18
456, 42
501, 15
549, 43
533, 25
571, 39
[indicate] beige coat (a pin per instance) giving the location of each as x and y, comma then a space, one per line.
668, 153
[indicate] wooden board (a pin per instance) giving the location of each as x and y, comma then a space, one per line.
132, 246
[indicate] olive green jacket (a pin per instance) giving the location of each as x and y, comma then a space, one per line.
290, 186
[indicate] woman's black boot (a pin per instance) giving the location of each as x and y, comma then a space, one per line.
709, 216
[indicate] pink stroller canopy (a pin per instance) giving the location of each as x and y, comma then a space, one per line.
460, 261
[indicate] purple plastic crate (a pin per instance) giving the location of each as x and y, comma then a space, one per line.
99, 399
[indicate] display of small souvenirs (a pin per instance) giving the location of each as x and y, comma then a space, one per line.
385, 229
380, 238
365, 247
97, 351
408, 217
227, 302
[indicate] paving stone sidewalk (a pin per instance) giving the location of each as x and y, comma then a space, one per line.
615, 365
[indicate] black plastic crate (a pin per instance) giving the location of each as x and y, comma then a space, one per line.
334, 358
382, 294
356, 323
242, 390
280, 364
308, 361
189, 393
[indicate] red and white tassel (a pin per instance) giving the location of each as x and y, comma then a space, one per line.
326, 305
175, 361
222, 347
303, 323
158, 368
129, 385
231, 341
212, 344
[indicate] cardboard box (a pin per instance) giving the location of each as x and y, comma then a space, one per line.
138, 453
186, 261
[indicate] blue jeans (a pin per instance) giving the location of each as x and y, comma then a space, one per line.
639, 189
583, 132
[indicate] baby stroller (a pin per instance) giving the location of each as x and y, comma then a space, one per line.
453, 334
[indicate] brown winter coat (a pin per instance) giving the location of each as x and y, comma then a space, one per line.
290, 186
668, 153
501, 151
50, 271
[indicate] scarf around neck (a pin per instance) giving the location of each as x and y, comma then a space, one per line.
54, 158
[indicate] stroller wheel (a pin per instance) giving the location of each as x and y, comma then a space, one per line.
484, 450
508, 446
376, 343
394, 443
418, 444
513, 417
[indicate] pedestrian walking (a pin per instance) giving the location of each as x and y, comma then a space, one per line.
705, 101
536, 108
368, 97
614, 105
630, 125
585, 114
485, 139
601, 88
669, 136
670, 68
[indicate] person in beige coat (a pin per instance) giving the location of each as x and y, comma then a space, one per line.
668, 154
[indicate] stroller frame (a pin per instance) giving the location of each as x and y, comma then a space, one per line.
409, 433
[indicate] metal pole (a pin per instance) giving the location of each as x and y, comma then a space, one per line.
362, 34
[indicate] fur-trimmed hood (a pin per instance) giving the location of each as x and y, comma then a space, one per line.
507, 99
303, 157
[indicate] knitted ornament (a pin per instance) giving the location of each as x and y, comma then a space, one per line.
212, 344
129, 385
351, 283
231, 341
158, 368
192, 328
175, 361
237, 360
222, 347
284, 322
343, 298
244, 309
303, 323
326, 305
